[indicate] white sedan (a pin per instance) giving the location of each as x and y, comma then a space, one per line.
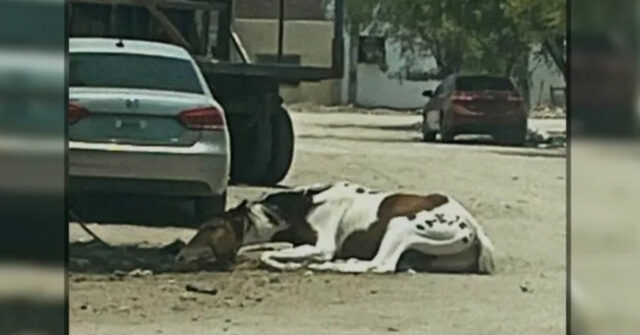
142, 120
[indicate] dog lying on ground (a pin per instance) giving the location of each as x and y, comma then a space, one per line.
348, 228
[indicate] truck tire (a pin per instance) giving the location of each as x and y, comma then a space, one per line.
251, 153
208, 207
282, 147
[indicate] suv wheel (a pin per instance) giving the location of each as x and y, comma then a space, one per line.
427, 136
446, 133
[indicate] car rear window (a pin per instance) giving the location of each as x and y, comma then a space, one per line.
132, 71
483, 83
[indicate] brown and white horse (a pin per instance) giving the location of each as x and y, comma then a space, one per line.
345, 227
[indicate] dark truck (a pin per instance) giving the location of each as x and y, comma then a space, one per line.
262, 138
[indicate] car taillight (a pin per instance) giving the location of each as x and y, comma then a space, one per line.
204, 118
459, 96
75, 113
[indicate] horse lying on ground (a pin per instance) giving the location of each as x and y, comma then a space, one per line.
345, 227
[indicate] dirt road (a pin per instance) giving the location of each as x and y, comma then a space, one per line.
518, 194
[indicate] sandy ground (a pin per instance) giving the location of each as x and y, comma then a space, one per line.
518, 194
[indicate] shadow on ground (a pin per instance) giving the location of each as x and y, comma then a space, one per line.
137, 210
535, 153
140, 260
141, 210
94, 257
360, 139
398, 127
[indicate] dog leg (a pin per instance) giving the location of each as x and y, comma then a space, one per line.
295, 258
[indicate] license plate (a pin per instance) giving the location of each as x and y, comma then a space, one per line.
139, 124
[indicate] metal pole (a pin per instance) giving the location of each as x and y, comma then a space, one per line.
280, 31
223, 47
337, 63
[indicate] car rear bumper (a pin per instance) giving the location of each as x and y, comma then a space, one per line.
481, 123
199, 170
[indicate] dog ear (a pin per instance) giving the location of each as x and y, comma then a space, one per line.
271, 214
320, 198
317, 193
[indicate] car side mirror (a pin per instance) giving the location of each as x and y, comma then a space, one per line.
427, 93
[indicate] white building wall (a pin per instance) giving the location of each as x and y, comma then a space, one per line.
543, 76
378, 88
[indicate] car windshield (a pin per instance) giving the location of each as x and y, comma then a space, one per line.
479, 83
132, 71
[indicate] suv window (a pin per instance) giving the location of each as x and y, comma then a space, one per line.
479, 83
132, 71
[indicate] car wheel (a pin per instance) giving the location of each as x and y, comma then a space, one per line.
208, 207
427, 136
446, 133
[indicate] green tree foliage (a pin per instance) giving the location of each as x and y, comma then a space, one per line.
489, 36
543, 22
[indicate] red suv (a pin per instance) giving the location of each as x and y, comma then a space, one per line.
475, 104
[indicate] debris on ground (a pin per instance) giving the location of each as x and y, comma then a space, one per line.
178, 308
119, 273
274, 280
187, 297
139, 273
546, 140
546, 112
78, 279
124, 309
525, 287
201, 289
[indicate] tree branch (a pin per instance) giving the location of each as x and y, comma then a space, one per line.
556, 55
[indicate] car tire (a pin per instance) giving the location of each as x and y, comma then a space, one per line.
208, 207
446, 133
282, 147
427, 136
